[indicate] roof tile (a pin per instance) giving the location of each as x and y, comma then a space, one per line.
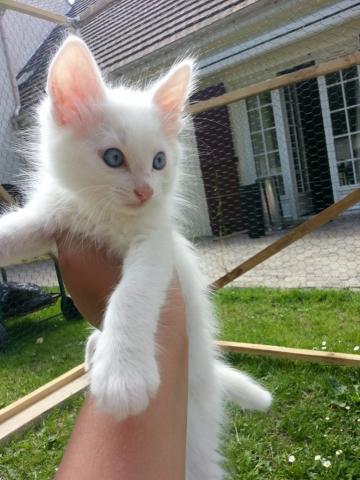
123, 33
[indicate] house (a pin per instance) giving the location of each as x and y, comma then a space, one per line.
20, 37
299, 145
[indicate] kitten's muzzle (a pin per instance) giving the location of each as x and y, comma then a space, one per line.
144, 193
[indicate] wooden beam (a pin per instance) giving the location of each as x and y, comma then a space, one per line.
277, 82
42, 392
314, 356
34, 412
35, 12
21, 414
295, 234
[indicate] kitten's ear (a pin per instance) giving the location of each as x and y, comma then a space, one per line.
170, 95
74, 83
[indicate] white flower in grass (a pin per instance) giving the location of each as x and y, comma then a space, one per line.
347, 407
291, 459
338, 452
356, 348
323, 348
317, 458
39, 340
326, 463
323, 343
327, 418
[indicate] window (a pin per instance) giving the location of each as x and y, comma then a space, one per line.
263, 139
343, 90
296, 139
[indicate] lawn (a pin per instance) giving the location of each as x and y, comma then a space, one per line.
41, 346
311, 432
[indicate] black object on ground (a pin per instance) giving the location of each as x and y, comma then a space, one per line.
67, 305
21, 298
251, 206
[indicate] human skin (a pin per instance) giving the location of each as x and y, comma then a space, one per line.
150, 445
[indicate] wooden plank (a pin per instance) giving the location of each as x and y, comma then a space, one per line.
314, 356
34, 11
41, 393
17, 419
308, 73
295, 234
18, 422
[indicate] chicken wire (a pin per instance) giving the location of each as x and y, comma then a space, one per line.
29, 292
257, 167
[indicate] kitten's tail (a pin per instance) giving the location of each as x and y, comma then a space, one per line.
242, 389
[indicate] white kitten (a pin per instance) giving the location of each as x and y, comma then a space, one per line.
108, 167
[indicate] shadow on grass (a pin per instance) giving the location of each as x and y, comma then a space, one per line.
24, 331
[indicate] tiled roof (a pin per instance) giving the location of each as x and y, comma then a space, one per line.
123, 33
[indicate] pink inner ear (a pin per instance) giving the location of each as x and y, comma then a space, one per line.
74, 83
171, 94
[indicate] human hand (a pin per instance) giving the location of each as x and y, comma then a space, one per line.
89, 273
152, 444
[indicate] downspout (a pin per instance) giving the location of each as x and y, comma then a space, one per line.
11, 72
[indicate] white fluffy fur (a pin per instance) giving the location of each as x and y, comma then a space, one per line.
74, 190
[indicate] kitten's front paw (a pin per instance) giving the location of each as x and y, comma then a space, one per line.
120, 390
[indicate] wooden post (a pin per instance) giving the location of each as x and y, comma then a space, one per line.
295, 234
276, 82
34, 12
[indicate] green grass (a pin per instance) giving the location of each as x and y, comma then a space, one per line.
26, 365
37, 453
316, 409
300, 318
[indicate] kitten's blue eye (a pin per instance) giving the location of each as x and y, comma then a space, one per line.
113, 157
159, 161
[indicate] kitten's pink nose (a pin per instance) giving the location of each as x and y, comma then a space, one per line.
143, 193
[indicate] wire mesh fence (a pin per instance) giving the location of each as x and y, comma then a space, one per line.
256, 167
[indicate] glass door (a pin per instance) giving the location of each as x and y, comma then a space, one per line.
341, 105
297, 149
266, 155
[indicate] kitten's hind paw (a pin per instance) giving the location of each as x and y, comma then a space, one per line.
121, 392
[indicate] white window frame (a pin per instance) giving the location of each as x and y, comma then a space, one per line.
339, 191
287, 169
299, 140
289, 200
250, 175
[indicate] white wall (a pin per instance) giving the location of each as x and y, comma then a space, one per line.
196, 218
8, 161
23, 35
